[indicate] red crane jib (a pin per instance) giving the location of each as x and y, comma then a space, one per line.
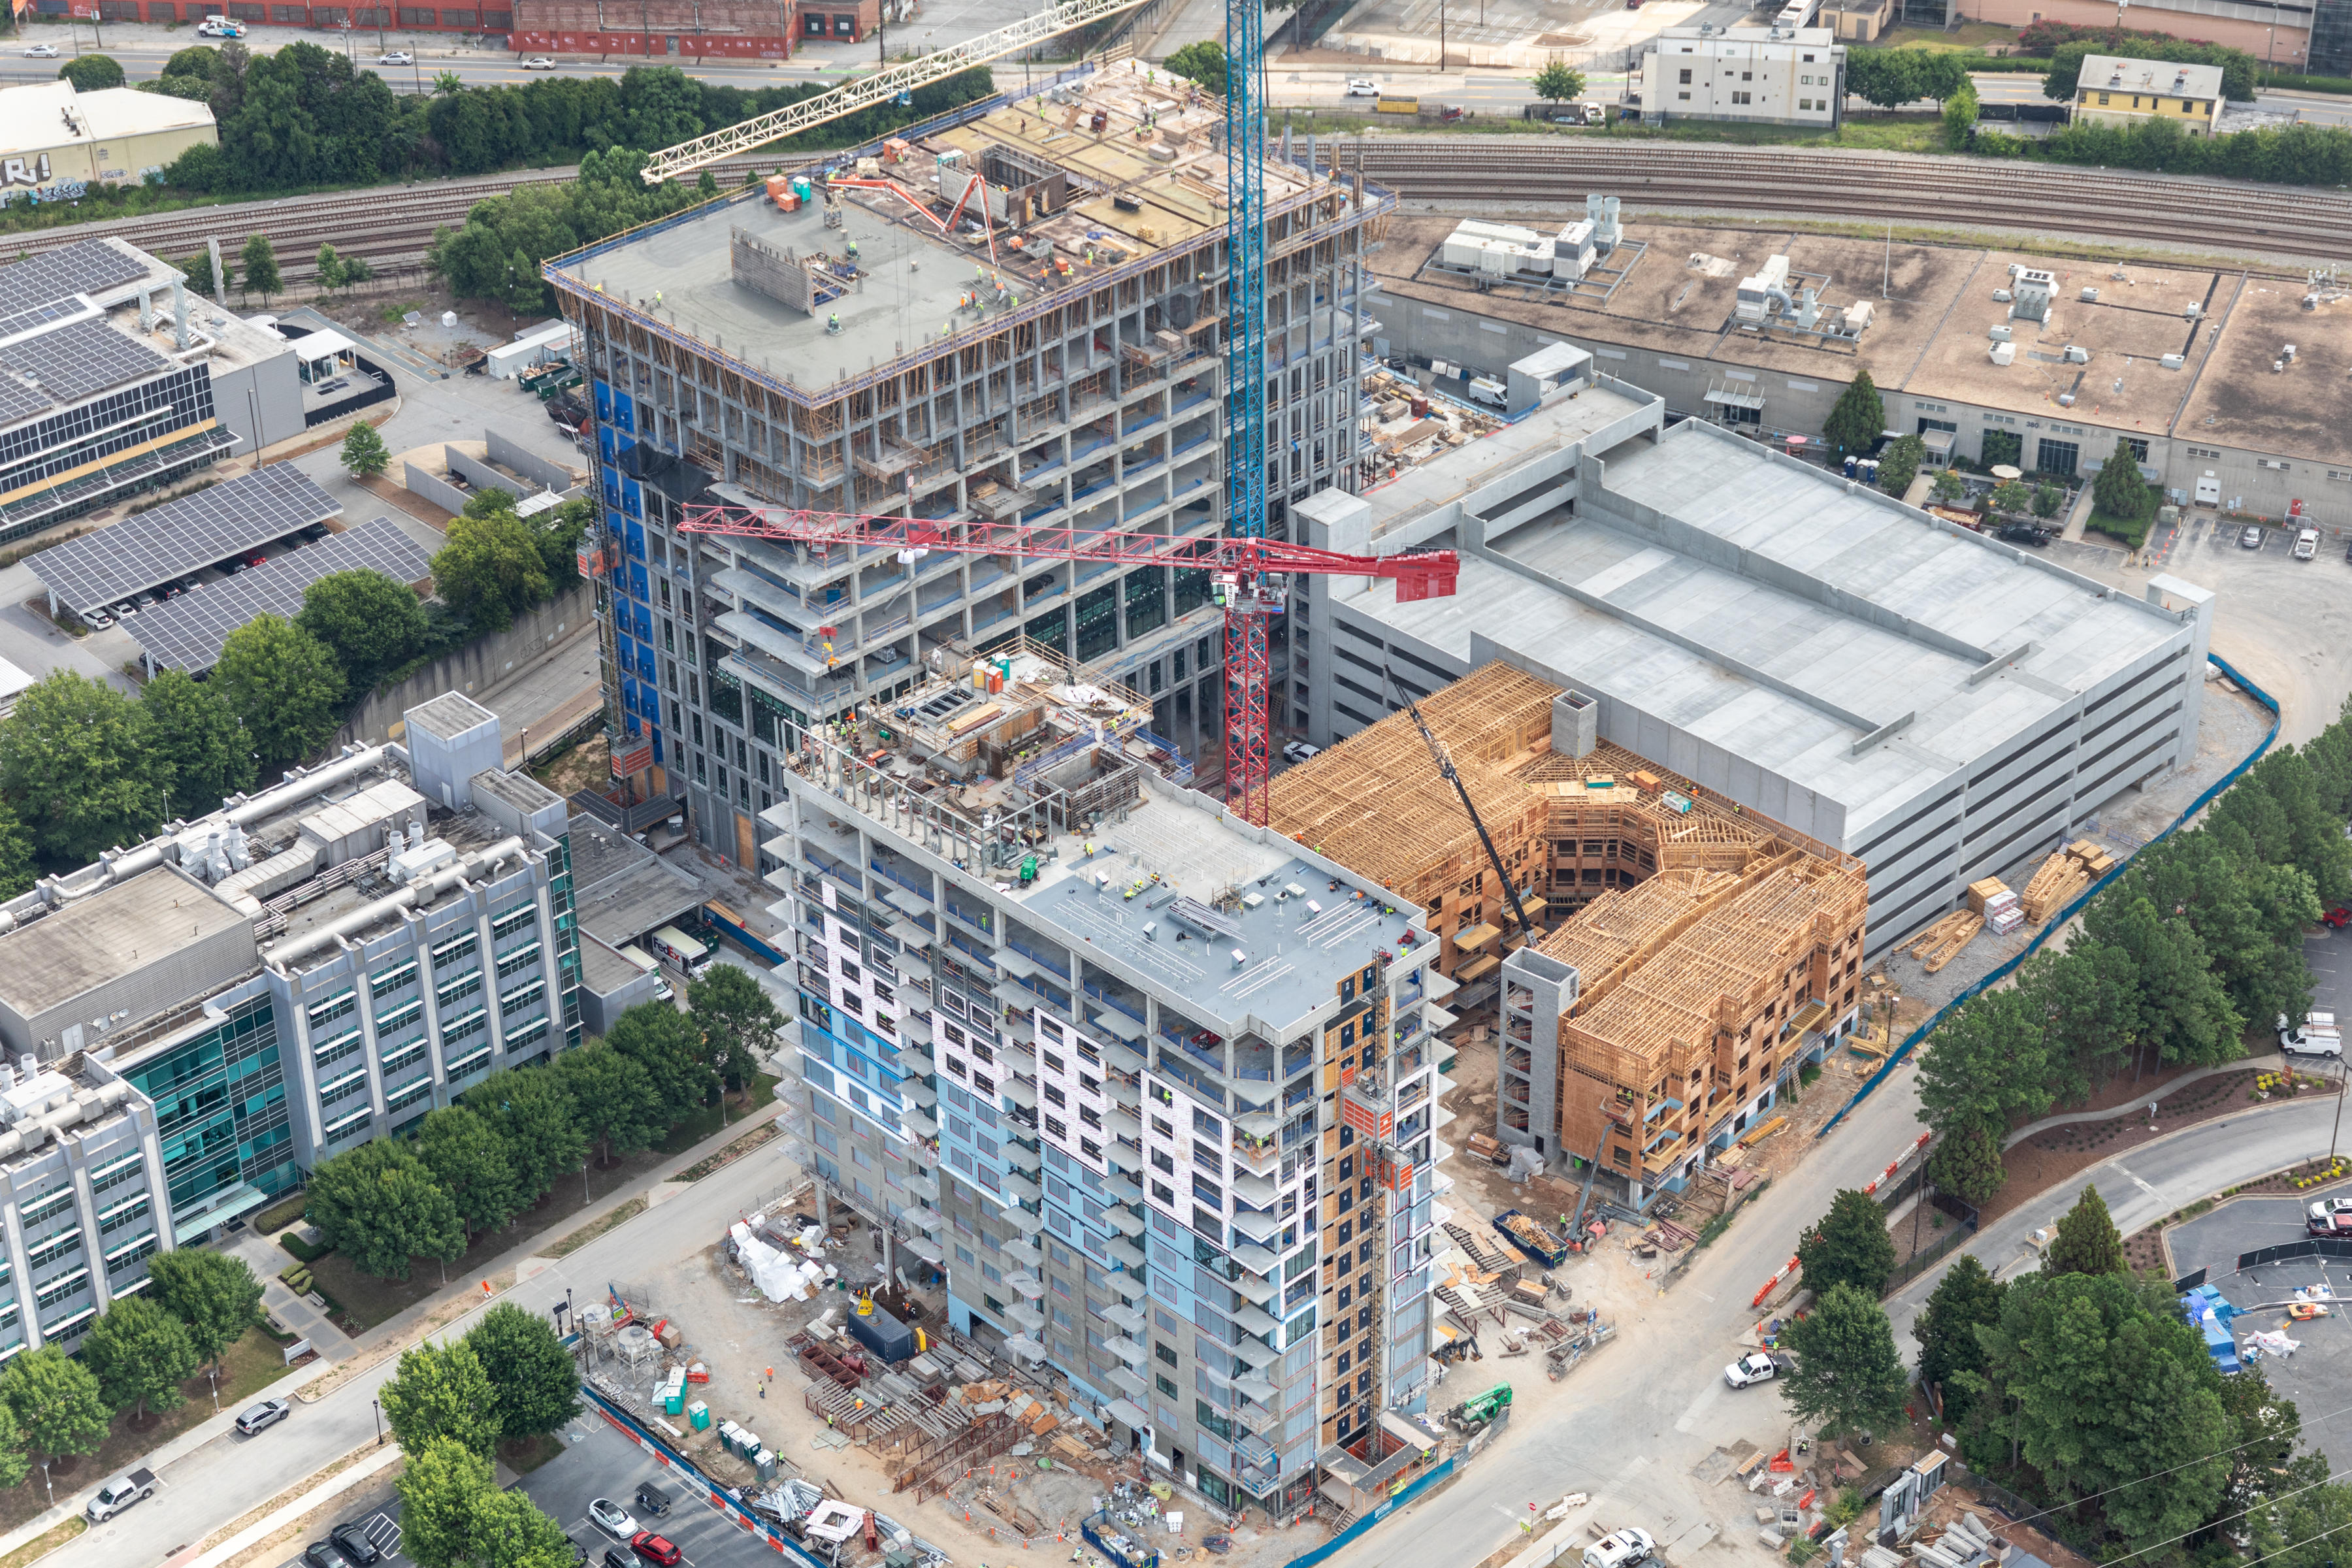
1422, 575
1248, 720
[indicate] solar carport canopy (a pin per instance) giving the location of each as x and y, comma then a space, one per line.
187, 633
126, 559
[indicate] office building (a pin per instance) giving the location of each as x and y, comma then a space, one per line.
1059, 365
1156, 1089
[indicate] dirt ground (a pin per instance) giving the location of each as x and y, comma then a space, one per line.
588, 765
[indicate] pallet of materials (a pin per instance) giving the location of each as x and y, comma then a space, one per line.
1984, 892
1941, 943
2062, 877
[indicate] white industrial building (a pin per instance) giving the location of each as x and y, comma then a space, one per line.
1940, 704
1764, 76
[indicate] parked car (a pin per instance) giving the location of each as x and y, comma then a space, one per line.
97, 620
658, 1549
1755, 1366
350, 1538
256, 559
1623, 1548
2327, 1207
322, 1554
612, 1519
1298, 752
218, 28
130, 1486
2333, 1225
1358, 87
2318, 1036
229, 568
2306, 545
264, 1416
2339, 916
616, 1558
538, 63
2032, 534
2250, 538
41, 51
397, 58
656, 1502
148, 601
124, 610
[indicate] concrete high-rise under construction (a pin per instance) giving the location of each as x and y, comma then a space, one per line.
1038, 289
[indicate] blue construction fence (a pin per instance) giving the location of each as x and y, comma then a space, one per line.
2009, 967
1356, 1531
698, 1484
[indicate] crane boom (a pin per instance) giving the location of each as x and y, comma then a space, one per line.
1239, 568
1447, 770
881, 86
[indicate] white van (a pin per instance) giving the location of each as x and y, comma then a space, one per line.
676, 947
1621, 1549
644, 961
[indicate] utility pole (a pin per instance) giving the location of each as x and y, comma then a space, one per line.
2338, 1127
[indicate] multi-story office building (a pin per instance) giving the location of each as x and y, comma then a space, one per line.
1055, 362
1767, 76
1155, 1088
309, 966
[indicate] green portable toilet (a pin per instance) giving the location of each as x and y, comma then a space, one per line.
698, 1417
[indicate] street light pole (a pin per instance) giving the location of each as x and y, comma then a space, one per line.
377, 1406
2340, 1110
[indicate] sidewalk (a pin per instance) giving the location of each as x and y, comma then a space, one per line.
395, 1332
2273, 1062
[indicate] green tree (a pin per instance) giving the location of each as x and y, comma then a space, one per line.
364, 454
1849, 1377
196, 742
740, 1024
444, 1485
283, 683
56, 1401
2182, 1009
442, 1394
447, 84
2010, 495
1885, 79
491, 567
91, 73
534, 1115
620, 1109
196, 60
1948, 487
214, 1295
260, 267
199, 268
1986, 1066
75, 759
2047, 498
1859, 418
1967, 1163
667, 1045
2096, 1382
1848, 1246
15, 1464
2088, 1241
1898, 464
2001, 446
532, 1377
369, 622
2300, 1527
329, 269
469, 1161
17, 869
356, 271
1202, 61
2119, 491
141, 1354
1559, 82
511, 1530
1960, 116
379, 1206
2088, 1001
1965, 1298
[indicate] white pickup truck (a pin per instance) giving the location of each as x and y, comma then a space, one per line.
120, 1493
2318, 1036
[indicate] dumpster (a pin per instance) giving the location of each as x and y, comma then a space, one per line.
883, 1334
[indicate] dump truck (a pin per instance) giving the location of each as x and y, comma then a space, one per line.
1476, 1412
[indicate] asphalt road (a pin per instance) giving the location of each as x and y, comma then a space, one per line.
230, 1475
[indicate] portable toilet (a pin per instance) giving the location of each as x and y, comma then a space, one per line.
764, 1461
698, 1417
730, 1436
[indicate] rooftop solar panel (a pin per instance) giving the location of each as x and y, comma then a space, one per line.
20, 401
187, 633
18, 322
126, 559
89, 267
72, 362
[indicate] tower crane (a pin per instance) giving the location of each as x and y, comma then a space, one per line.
1247, 573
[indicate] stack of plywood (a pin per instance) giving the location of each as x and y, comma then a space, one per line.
1941, 943
2063, 875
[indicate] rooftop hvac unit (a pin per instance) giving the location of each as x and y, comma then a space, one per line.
2065, 400
2078, 354
2172, 362
2004, 353
2090, 296
2001, 295
2001, 334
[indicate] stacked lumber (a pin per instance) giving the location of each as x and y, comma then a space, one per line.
1941, 943
2063, 875
1981, 893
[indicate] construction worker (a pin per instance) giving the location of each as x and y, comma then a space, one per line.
657, 299
852, 250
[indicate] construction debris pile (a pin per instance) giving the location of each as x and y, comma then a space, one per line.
1408, 426
1965, 1542
1484, 1287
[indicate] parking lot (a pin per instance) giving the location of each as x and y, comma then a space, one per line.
604, 1464
379, 1526
2318, 1376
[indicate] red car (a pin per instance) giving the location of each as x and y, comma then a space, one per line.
2339, 916
256, 560
655, 1549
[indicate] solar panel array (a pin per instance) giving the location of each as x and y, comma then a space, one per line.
129, 557
89, 266
80, 357
20, 322
187, 633
18, 401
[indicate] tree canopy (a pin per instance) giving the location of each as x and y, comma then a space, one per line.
469, 1162
1202, 61
213, 1294
380, 1206
91, 73
491, 566
740, 1023
1557, 81
202, 749
56, 1401
618, 1105
283, 683
533, 1379
140, 1354
1965, 1299
75, 759
442, 1392
2088, 1241
1848, 1246
1858, 417
369, 622
363, 452
532, 1110
1848, 1376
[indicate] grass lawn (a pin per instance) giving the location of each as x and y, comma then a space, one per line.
521, 1457
365, 1301
1985, 36
2133, 532
250, 1365
41, 1545
1879, 133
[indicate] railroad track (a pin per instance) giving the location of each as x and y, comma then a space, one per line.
2173, 210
